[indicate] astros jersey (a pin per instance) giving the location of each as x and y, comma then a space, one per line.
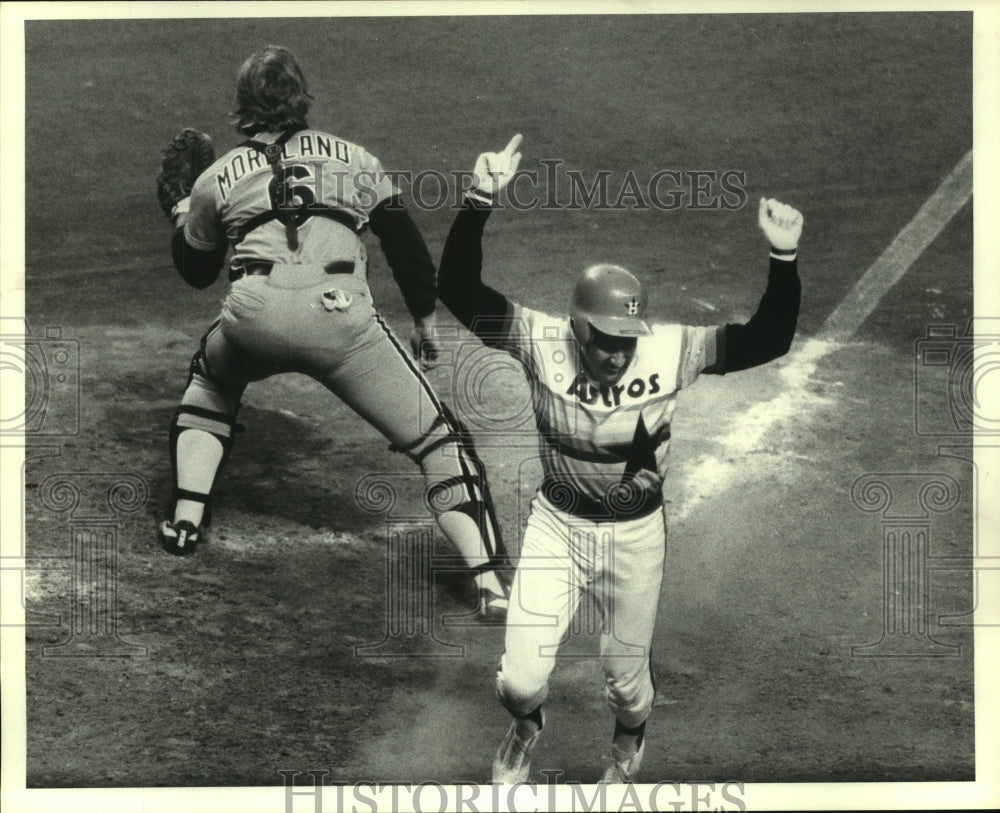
608, 444
334, 183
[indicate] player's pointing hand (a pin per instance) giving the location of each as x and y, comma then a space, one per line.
511, 149
495, 169
781, 224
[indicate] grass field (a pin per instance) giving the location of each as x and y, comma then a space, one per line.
242, 660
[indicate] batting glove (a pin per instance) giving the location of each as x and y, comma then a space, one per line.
494, 170
782, 225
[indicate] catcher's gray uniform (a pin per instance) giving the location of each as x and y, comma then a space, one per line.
306, 309
293, 203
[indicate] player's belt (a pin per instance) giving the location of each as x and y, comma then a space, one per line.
253, 268
623, 504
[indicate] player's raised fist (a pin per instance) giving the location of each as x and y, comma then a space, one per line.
494, 170
781, 224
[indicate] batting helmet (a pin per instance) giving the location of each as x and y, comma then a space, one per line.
610, 299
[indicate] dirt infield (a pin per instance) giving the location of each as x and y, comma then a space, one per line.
776, 655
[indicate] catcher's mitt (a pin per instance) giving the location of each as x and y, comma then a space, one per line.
188, 155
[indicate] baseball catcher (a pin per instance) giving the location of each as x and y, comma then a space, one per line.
292, 203
604, 383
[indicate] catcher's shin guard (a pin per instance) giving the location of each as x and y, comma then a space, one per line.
205, 409
469, 479
480, 507
181, 423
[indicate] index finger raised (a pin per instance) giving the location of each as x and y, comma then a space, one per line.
513, 144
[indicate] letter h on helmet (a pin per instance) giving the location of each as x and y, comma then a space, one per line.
609, 299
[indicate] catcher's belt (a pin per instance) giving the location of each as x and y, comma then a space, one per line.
254, 268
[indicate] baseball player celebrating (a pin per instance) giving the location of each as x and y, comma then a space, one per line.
293, 202
604, 383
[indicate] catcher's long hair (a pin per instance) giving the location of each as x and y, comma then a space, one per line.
271, 92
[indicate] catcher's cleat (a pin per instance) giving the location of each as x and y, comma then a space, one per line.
180, 539
512, 762
492, 607
624, 766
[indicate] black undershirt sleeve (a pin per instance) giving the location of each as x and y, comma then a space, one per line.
769, 332
197, 268
407, 255
486, 312
766, 336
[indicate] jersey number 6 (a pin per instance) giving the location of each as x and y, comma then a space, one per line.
288, 195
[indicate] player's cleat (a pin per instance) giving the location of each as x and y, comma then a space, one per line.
624, 766
492, 607
179, 538
512, 762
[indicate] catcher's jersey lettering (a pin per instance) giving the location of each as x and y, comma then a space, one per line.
301, 186
319, 170
324, 147
236, 169
250, 160
593, 437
